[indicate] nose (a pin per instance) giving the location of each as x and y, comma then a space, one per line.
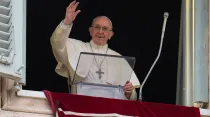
101, 30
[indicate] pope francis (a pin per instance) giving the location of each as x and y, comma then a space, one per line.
100, 70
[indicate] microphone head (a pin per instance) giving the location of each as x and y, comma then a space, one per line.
166, 15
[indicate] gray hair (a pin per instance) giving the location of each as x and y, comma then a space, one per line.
104, 17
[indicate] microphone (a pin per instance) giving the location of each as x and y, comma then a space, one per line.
164, 24
161, 43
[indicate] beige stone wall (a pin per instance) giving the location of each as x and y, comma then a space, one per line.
14, 105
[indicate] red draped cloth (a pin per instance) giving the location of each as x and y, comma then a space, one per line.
97, 105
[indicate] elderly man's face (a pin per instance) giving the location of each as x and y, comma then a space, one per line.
101, 31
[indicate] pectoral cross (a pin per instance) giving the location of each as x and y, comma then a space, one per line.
99, 72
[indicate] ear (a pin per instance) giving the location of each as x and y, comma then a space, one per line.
91, 31
111, 34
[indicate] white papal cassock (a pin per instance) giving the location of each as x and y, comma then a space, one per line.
67, 52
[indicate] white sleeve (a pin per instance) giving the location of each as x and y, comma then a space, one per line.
65, 49
58, 41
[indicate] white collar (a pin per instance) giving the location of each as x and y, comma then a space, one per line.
97, 46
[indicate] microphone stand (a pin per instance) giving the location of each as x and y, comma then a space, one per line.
161, 43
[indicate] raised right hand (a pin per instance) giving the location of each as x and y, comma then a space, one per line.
71, 13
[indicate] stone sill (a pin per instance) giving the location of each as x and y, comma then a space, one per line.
29, 103
21, 114
31, 94
40, 95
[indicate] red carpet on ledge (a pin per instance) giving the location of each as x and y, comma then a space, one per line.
79, 106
